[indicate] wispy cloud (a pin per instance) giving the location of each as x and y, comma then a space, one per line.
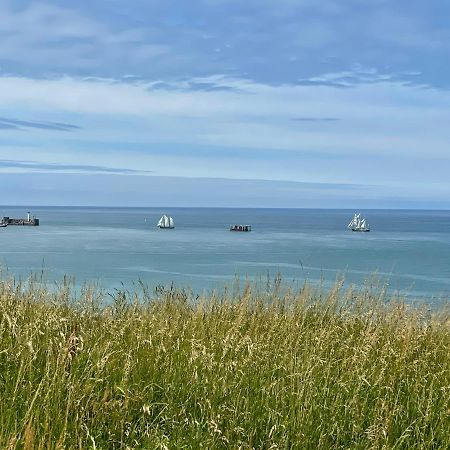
203, 37
315, 119
349, 78
7, 126
69, 168
388, 117
15, 124
335, 91
110, 190
44, 37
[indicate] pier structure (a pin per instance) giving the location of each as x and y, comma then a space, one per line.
29, 221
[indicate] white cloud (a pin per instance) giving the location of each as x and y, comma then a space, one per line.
388, 133
47, 37
387, 117
40, 20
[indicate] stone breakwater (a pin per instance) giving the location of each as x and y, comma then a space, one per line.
32, 221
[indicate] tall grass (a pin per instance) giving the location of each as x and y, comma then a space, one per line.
306, 369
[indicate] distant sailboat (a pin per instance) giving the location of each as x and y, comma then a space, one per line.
359, 223
166, 222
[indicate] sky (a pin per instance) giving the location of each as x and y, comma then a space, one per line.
262, 103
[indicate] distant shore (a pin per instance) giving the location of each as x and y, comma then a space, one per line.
162, 369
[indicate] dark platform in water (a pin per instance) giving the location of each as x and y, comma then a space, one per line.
244, 228
32, 221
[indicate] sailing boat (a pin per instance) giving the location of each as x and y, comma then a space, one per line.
359, 223
166, 222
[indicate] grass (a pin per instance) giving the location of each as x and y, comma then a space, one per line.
263, 370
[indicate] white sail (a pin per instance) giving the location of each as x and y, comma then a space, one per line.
359, 223
354, 221
165, 222
161, 221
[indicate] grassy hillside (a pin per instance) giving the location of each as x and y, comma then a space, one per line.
250, 370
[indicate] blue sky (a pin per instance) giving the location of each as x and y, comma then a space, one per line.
293, 103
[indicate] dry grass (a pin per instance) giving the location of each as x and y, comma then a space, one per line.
250, 370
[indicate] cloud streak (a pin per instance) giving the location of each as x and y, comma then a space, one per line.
315, 119
15, 124
70, 168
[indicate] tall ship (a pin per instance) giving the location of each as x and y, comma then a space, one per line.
359, 223
166, 222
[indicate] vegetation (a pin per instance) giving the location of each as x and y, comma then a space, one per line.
243, 369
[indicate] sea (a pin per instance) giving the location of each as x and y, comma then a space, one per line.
407, 251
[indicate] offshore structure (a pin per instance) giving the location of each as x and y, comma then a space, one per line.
244, 228
29, 221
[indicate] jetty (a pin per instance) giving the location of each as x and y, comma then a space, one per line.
28, 221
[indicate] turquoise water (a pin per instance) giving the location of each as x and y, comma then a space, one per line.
113, 246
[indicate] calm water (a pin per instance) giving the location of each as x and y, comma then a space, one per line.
409, 249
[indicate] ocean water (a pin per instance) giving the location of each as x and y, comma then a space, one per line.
114, 247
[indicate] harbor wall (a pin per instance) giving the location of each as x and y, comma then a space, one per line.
33, 222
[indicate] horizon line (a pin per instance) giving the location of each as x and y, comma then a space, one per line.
222, 207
